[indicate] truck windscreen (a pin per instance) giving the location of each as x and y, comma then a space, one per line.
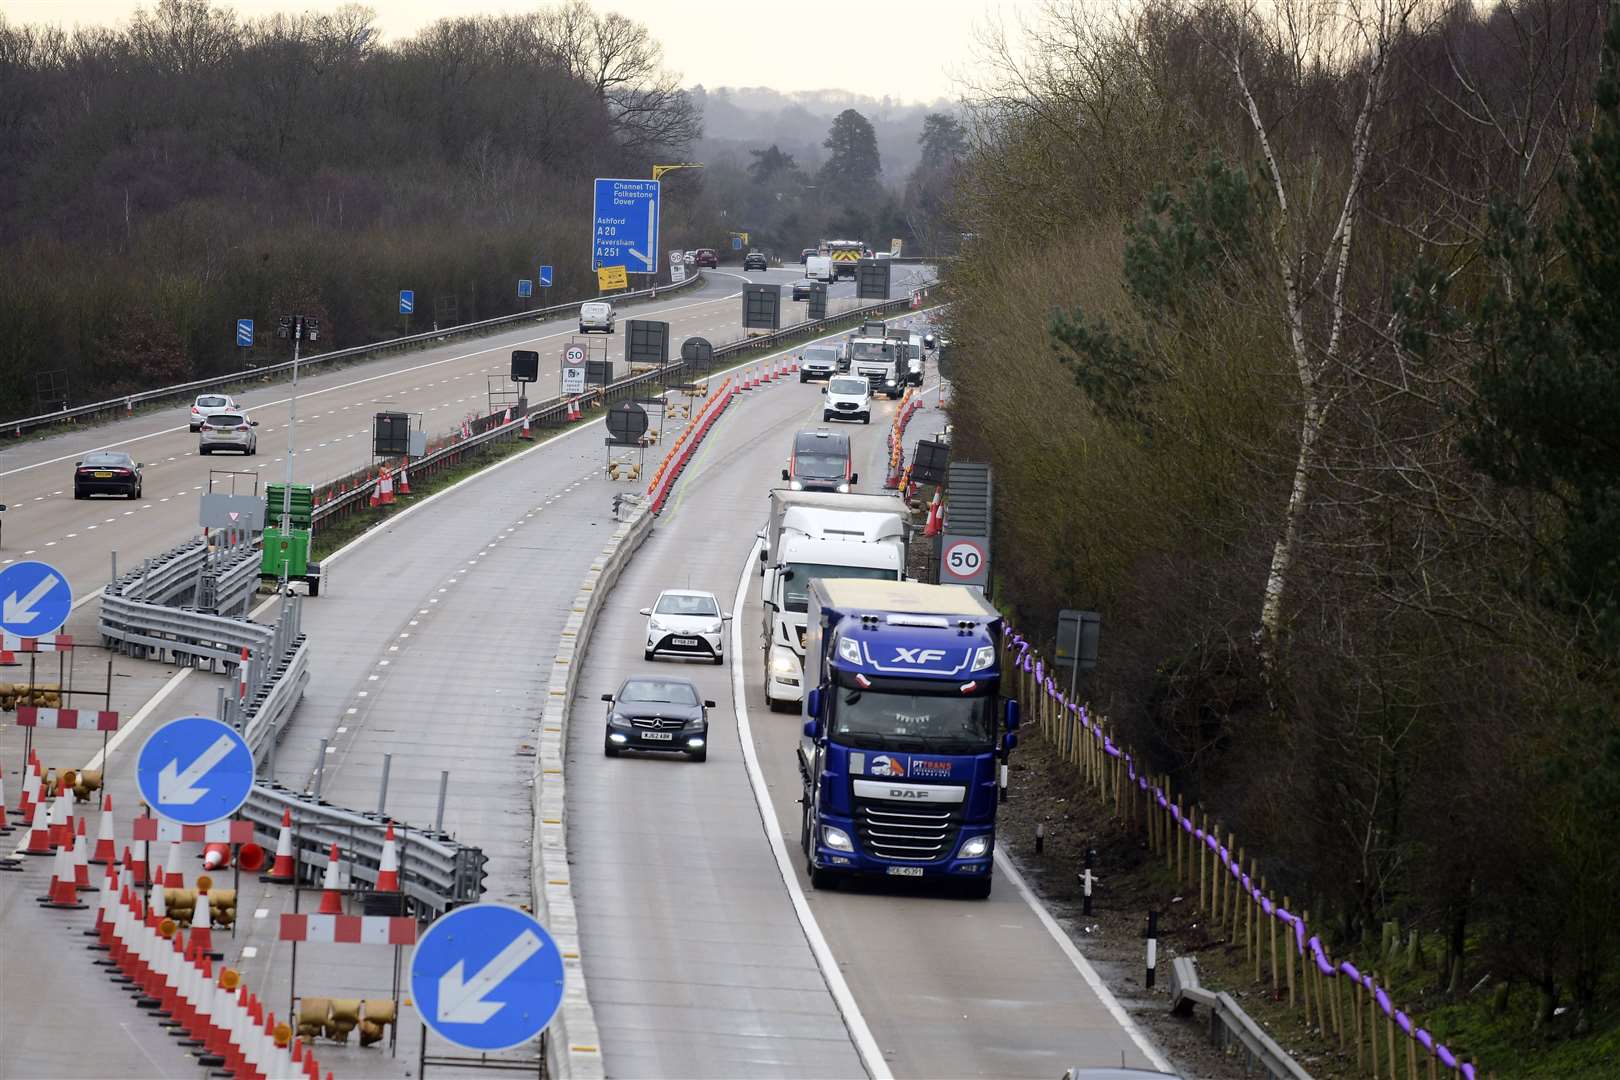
889, 718
881, 351
796, 582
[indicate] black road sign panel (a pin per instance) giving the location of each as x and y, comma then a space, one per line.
626, 423
646, 341
762, 307
930, 461
391, 434
872, 279
525, 365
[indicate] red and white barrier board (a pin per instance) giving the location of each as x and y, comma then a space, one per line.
349, 929
66, 719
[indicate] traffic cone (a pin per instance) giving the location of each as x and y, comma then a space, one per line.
30, 795
106, 852
331, 898
216, 856
202, 919
388, 865
526, 435
507, 417
137, 866
385, 487
242, 669
81, 859
62, 893
173, 876
376, 494
61, 818
282, 869
8, 658
573, 410
405, 479
4, 826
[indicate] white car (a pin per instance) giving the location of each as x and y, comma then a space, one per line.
228, 431
685, 622
208, 405
849, 397
596, 316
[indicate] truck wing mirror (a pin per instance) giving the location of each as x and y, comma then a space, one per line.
824, 391
854, 478
812, 728
1010, 711
785, 475
813, 702
1009, 743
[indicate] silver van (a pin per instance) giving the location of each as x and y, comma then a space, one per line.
596, 316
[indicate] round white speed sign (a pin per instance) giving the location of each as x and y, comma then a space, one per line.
575, 355
964, 559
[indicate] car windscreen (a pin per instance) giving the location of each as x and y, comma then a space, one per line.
823, 356
796, 587
675, 604
117, 461
675, 693
820, 465
852, 387
900, 715
212, 402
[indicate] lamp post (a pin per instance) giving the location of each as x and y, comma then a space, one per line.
295, 327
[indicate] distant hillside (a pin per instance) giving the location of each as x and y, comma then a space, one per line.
737, 119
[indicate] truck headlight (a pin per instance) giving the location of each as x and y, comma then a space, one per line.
843, 489
974, 847
794, 485
983, 657
849, 650
783, 662
836, 838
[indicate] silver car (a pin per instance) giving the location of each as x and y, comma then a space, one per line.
208, 405
228, 431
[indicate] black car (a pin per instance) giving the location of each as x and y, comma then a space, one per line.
657, 713
107, 472
755, 260
804, 256
804, 290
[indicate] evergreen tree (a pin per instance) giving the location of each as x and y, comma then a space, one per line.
853, 165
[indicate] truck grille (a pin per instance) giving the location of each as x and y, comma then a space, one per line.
906, 832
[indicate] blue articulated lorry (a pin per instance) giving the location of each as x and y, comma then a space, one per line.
906, 732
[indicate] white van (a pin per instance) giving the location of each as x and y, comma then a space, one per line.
849, 397
819, 268
596, 316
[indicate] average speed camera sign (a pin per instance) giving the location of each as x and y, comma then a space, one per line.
964, 560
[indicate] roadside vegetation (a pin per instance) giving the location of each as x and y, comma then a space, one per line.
1291, 332
191, 167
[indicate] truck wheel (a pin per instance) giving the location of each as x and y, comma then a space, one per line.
819, 878
978, 889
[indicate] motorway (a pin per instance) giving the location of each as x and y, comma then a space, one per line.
433, 645
692, 951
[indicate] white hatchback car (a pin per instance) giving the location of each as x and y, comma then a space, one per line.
208, 405
228, 431
849, 397
685, 622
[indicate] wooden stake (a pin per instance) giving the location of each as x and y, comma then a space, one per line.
1288, 957
1276, 983
1361, 1036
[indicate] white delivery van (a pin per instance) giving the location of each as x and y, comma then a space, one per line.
819, 268
596, 316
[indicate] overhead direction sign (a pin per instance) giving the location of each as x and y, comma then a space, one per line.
625, 225
194, 771
244, 333
487, 977
35, 599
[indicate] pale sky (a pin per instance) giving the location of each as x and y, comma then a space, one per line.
913, 50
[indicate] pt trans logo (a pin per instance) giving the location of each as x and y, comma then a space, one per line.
884, 765
918, 656
927, 767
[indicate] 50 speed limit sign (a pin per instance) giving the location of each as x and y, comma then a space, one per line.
964, 560
574, 355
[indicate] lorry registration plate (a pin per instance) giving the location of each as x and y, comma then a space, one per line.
905, 871
662, 736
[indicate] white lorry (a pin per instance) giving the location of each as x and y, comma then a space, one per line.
881, 362
813, 534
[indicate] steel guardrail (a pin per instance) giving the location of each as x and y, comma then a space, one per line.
1228, 1023
434, 869
492, 428
129, 401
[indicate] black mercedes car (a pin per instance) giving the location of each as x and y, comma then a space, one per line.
657, 713
107, 472
755, 260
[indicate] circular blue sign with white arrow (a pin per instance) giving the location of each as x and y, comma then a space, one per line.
194, 771
35, 599
487, 977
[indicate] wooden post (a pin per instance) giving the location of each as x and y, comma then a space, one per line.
1288, 957
1372, 1023
1389, 1026
1338, 1018
1203, 871
1361, 1036
1181, 841
1230, 888
1306, 967
1250, 942
1276, 983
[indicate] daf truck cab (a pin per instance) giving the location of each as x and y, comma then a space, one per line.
905, 733
880, 362
811, 535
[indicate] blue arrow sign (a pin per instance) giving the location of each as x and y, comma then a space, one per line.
407, 301
525, 287
244, 333
625, 229
194, 771
487, 977
35, 599
736, 243
545, 277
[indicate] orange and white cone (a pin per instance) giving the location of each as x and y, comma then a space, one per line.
216, 856
81, 859
385, 487
331, 898
376, 494
62, 893
30, 795
282, 869
388, 865
242, 675
202, 922
405, 479
61, 818
39, 832
4, 827
526, 434
106, 851
506, 418
173, 876
8, 658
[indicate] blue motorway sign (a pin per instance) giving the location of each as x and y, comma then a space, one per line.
407, 301
736, 243
525, 287
194, 771
625, 225
545, 277
487, 977
244, 333
35, 599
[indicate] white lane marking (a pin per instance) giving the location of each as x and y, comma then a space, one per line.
345, 386
866, 1045
1087, 972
